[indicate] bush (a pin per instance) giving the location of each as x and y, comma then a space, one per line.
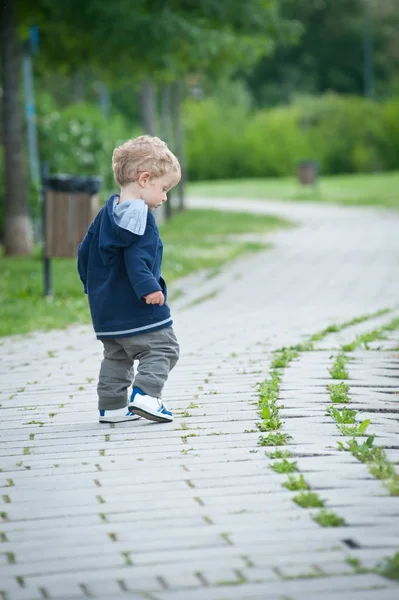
79, 139
345, 134
274, 143
389, 143
214, 138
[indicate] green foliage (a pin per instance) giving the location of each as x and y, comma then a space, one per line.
329, 52
274, 439
344, 134
213, 139
376, 459
274, 142
269, 389
364, 451
389, 567
280, 454
283, 358
377, 334
338, 369
284, 466
79, 139
296, 483
308, 500
344, 416
327, 518
357, 430
338, 392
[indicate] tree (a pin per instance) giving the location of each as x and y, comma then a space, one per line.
329, 54
18, 228
158, 39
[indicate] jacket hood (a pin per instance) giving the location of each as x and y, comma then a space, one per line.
121, 223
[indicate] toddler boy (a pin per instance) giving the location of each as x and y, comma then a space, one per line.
119, 263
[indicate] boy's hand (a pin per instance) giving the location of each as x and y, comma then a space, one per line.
155, 298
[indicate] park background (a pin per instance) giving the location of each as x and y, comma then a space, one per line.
242, 92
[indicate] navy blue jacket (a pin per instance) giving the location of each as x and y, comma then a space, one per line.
117, 268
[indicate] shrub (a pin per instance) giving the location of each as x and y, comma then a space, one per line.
345, 134
79, 139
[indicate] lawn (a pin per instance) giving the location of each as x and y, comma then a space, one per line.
380, 189
196, 239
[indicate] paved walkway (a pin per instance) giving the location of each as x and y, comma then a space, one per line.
192, 511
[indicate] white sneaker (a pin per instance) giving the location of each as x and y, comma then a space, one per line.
150, 408
120, 415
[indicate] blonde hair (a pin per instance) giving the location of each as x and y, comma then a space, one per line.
144, 153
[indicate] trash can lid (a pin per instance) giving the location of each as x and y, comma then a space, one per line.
73, 183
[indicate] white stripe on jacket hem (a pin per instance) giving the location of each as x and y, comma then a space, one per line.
133, 330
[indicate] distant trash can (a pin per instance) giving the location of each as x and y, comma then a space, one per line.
70, 204
308, 172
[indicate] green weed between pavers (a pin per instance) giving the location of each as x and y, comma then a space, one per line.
328, 518
295, 484
355, 430
374, 456
308, 500
280, 454
338, 369
363, 341
269, 411
308, 345
338, 392
274, 439
193, 241
345, 416
376, 459
283, 357
388, 567
284, 466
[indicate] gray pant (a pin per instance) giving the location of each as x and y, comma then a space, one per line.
157, 353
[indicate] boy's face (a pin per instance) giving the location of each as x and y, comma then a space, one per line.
155, 189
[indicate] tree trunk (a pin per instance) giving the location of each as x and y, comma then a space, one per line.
78, 87
18, 226
165, 134
148, 107
178, 137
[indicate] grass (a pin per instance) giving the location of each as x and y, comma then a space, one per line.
328, 518
388, 567
338, 369
379, 189
372, 336
274, 439
283, 358
193, 240
295, 484
280, 454
355, 430
338, 392
376, 459
284, 466
345, 416
308, 500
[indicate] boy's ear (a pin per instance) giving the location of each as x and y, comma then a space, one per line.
143, 178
